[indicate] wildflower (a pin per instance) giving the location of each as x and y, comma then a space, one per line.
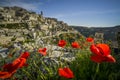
10, 68
66, 73
42, 51
101, 53
16, 64
62, 43
4, 75
75, 45
19, 63
25, 55
89, 39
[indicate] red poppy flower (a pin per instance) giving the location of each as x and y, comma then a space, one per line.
89, 39
11, 68
75, 45
99, 59
42, 51
101, 53
66, 73
4, 75
16, 64
62, 43
25, 55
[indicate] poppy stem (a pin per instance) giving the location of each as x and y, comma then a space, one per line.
60, 63
97, 70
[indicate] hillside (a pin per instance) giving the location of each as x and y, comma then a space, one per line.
18, 24
34, 47
109, 32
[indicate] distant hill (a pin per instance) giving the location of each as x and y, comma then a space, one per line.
109, 32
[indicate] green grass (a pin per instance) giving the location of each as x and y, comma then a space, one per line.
14, 25
85, 69
82, 67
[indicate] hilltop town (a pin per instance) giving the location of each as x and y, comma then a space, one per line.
17, 23
25, 29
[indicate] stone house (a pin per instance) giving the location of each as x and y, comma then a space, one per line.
99, 37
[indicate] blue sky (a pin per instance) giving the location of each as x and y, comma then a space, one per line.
91, 13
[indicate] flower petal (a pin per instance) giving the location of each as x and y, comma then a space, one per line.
96, 58
65, 72
62, 73
68, 71
89, 39
94, 49
104, 49
62, 43
9, 68
18, 63
75, 45
42, 51
12, 67
99, 59
110, 58
25, 55
4, 75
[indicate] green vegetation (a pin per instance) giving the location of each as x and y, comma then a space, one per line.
14, 25
83, 68
69, 37
109, 32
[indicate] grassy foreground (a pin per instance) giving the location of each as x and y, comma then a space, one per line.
41, 67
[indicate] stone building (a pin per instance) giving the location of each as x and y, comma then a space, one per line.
99, 37
6, 15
